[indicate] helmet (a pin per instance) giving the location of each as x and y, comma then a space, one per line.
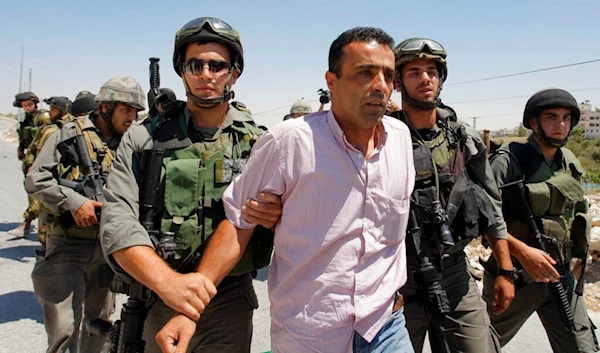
550, 98
25, 96
420, 48
62, 103
207, 30
301, 106
122, 89
83, 104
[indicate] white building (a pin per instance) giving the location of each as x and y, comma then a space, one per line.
590, 120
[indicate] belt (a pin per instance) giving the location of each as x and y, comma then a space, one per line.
398, 302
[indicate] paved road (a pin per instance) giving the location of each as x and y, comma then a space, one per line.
21, 328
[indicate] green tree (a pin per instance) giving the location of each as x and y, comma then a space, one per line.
522, 130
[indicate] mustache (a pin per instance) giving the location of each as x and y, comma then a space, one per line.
377, 95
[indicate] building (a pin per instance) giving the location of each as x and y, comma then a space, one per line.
590, 120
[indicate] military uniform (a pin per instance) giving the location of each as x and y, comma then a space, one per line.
27, 132
67, 279
198, 165
556, 198
455, 157
34, 148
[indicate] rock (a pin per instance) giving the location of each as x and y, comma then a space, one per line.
595, 239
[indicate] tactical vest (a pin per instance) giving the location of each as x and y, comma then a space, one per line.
193, 179
30, 130
102, 158
555, 199
42, 136
441, 175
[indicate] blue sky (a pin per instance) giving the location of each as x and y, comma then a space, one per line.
77, 45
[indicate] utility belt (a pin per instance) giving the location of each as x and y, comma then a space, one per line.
88, 233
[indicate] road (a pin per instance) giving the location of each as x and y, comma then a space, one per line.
21, 328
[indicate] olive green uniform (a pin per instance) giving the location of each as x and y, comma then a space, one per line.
226, 324
28, 129
67, 279
467, 325
535, 297
34, 148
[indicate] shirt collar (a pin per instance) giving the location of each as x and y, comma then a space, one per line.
340, 137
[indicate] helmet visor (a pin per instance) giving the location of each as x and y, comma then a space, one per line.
418, 45
219, 27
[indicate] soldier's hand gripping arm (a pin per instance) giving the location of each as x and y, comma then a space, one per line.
536, 262
265, 211
41, 181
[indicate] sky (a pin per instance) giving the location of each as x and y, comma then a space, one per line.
78, 45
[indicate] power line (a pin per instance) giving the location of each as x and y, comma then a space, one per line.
9, 58
523, 73
523, 96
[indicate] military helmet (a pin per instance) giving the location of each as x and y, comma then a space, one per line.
84, 103
207, 30
62, 103
122, 89
301, 107
550, 98
422, 48
25, 96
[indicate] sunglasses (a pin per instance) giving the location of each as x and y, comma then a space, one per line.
418, 44
195, 67
215, 24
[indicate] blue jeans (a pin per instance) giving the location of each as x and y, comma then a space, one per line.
393, 337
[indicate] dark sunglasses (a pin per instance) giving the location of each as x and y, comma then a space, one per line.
195, 66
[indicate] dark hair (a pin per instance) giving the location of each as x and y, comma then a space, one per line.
357, 34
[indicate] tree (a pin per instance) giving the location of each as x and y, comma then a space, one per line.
597, 110
522, 130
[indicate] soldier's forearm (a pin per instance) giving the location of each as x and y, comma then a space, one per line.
145, 266
501, 252
224, 251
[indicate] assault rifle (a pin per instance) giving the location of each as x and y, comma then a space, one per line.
158, 97
126, 334
90, 185
428, 279
557, 290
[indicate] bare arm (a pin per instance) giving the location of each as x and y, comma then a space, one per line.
185, 293
504, 288
224, 251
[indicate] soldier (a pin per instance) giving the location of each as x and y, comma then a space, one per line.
34, 119
552, 175
71, 280
84, 104
59, 114
455, 200
206, 142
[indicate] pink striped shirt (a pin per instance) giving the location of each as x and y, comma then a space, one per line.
339, 246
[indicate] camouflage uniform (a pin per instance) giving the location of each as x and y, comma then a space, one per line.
26, 132
36, 145
71, 280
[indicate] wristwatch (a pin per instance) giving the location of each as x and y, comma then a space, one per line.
511, 274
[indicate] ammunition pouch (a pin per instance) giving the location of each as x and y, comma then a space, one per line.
554, 229
554, 196
469, 209
580, 235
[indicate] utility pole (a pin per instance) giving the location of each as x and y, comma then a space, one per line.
475, 123
30, 89
20, 111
